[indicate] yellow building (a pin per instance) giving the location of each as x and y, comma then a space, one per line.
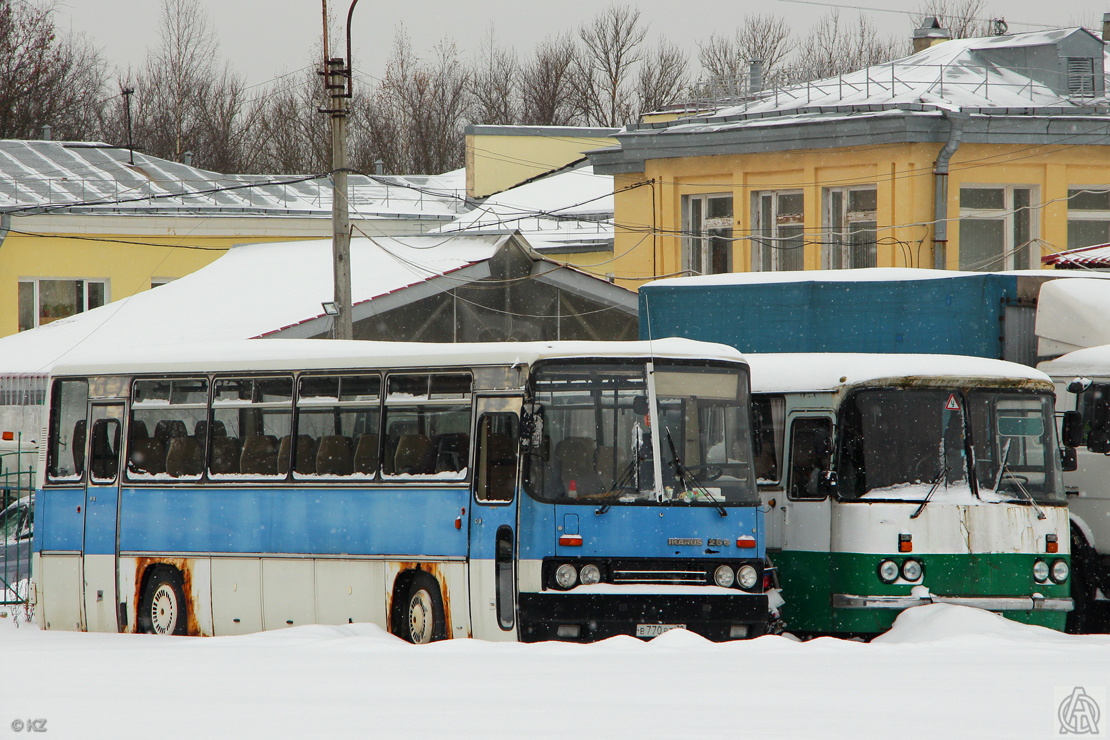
973, 154
502, 157
84, 224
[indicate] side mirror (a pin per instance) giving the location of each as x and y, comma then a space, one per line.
1068, 460
1071, 430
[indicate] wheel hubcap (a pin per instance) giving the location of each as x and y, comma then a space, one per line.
164, 610
421, 619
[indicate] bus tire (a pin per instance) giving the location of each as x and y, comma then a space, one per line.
422, 616
1083, 560
163, 610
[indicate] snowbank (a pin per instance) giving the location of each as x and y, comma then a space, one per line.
942, 670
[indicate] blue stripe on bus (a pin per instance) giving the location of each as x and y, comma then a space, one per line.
409, 521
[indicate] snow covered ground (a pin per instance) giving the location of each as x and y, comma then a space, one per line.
942, 672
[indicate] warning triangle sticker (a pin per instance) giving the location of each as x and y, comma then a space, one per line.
953, 404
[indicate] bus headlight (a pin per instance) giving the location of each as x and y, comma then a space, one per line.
723, 576
1060, 571
912, 570
888, 571
566, 575
589, 575
747, 577
1040, 571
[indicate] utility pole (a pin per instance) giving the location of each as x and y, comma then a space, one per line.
127, 92
336, 76
337, 85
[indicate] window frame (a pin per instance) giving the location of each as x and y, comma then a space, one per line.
35, 293
1088, 214
702, 236
791, 472
838, 251
1007, 215
771, 251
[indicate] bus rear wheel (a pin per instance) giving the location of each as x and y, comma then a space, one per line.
162, 610
423, 619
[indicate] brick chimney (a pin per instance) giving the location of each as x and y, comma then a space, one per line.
1106, 28
929, 34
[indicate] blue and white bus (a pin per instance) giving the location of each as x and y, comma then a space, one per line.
531, 491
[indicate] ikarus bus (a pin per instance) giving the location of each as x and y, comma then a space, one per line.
893, 481
531, 491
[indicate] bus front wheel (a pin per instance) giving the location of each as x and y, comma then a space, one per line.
423, 618
162, 611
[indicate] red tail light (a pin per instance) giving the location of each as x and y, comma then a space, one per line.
745, 542
570, 540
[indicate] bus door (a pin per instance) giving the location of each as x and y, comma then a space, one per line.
493, 518
101, 516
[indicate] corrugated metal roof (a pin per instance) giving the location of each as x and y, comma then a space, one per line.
1093, 257
82, 177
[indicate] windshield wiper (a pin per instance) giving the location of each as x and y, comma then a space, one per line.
936, 484
1002, 472
688, 478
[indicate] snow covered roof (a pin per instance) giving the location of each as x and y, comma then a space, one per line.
819, 371
1020, 89
1093, 257
956, 74
862, 274
570, 210
1071, 314
84, 177
1092, 361
251, 290
287, 354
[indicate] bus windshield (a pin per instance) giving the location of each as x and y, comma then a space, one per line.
916, 444
596, 436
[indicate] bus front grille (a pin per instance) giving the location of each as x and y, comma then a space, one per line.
681, 577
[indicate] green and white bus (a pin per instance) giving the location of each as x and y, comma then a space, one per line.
892, 481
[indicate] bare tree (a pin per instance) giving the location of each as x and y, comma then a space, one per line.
545, 84
46, 78
832, 48
290, 135
662, 77
184, 100
726, 59
413, 120
603, 79
493, 84
964, 18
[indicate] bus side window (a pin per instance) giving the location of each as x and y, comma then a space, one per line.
66, 451
810, 453
498, 437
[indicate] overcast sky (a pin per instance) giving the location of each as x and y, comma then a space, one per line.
265, 38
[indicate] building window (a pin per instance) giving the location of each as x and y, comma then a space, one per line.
996, 228
850, 225
707, 247
43, 301
780, 231
1088, 217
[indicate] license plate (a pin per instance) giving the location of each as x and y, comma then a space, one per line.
654, 630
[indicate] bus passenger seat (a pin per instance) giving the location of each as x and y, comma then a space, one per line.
147, 454
305, 463
185, 457
452, 452
414, 455
502, 467
170, 428
333, 457
366, 454
260, 455
225, 453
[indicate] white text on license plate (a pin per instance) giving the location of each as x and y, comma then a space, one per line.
653, 630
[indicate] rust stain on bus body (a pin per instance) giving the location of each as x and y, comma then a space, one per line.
436, 572
185, 568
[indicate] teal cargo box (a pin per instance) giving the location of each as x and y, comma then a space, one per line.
866, 310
